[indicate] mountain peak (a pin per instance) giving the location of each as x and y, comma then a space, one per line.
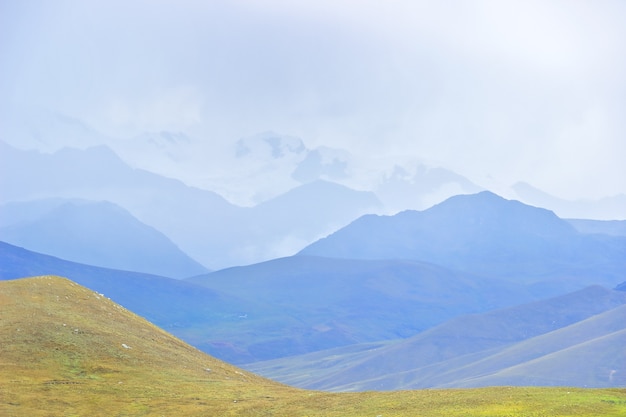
480, 233
482, 199
489, 211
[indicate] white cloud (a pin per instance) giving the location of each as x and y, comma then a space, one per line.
522, 90
178, 109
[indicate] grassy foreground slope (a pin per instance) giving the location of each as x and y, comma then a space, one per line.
69, 351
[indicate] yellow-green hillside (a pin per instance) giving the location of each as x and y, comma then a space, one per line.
67, 351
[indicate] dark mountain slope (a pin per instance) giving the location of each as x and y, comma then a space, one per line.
487, 235
95, 233
339, 302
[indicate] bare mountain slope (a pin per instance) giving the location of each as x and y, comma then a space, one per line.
462, 350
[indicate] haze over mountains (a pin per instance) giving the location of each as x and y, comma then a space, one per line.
95, 233
204, 225
359, 282
377, 196
471, 254
217, 233
243, 315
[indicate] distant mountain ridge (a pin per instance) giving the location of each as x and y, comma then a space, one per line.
486, 235
95, 233
337, 302
420, 186
607, 208
605, 227
201, 223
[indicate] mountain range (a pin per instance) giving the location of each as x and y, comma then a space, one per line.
287, 306
304, 303
201, 223
399, 285
210, 229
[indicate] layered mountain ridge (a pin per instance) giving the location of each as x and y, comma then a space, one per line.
201, 223
576, 340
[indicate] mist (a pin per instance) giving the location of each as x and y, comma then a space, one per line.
497, 92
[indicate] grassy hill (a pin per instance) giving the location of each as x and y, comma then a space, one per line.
69, 351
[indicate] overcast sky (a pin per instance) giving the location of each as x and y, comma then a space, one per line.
518, 90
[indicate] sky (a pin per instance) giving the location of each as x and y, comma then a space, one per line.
509, 90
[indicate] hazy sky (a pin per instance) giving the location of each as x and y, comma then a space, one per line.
519, 90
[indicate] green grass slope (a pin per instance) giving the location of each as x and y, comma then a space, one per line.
67, 351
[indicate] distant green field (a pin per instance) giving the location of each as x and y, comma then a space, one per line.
67, 351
